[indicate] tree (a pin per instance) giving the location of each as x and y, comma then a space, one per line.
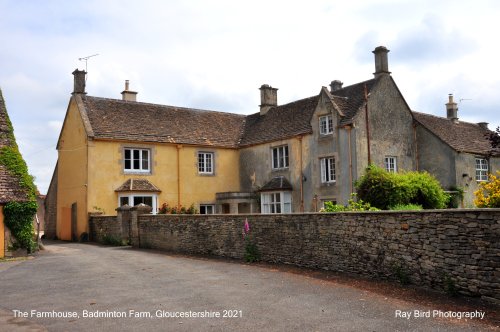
488, 194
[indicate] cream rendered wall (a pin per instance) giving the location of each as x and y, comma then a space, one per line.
106, 173
72, 174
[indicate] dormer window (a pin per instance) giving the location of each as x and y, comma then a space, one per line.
325, 125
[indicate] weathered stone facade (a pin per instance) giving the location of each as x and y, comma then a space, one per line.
437, 249
51, 208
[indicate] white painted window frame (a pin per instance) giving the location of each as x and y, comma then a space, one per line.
132, 159
206, 162
327, 169
391, 164
326, 125
131, 197
282, 160
481, 169
276, 202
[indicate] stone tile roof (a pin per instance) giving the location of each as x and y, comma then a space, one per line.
280, 122
143, 122
461, 136
138, 185
10, 189
278, 183
125, 120
351, 98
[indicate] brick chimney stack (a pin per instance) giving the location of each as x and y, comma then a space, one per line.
268, 98
127, 94
381, 61
452, 109
79, 81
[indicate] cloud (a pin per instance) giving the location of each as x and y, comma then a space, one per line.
431, 41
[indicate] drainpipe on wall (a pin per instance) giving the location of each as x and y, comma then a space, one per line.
350, 156
301, 177
416, 145
367, 126
179, 147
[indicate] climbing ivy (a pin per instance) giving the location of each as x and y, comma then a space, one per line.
19, 215
19, 219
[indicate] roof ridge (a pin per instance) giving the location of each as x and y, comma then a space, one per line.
444, 118
164, 106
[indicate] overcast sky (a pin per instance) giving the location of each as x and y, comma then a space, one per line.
215, 55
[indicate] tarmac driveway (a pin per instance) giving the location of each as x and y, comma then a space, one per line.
143, 290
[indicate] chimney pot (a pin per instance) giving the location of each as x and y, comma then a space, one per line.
268, 98
381, 61
335, 85
79, 81
127, 94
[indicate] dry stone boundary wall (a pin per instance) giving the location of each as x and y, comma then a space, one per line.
442, 249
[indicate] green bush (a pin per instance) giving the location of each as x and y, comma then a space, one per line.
406, 207
384, 189
352, 205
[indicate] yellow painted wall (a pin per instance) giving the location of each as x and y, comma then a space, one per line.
2, 234
72, 174
106, 173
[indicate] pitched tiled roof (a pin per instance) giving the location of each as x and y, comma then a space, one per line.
138, 185
10, 188
278, 183
280, 122
461, 136
351, 98
118, 119
143, 122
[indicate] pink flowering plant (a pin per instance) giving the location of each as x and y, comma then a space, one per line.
251, 251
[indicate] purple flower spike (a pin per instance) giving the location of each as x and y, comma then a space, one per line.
246, 227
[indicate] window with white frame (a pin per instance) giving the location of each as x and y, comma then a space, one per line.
325, 125
136, 160
276, 202
481, 169
207, 208
205, 162
391, 164
327, 170
280, 157
138, 198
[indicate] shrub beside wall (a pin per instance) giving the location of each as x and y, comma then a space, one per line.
429, 248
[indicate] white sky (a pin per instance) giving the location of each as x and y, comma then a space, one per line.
216, 54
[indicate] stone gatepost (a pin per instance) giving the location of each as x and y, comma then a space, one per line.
123, 220
135, 212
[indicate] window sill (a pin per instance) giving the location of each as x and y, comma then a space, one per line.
136, 173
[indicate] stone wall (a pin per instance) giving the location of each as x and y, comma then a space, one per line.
102, 227
452, 249
51, 208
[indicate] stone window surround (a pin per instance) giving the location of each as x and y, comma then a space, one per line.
326, 119
286, 156
205, 152
152, 164
482, 168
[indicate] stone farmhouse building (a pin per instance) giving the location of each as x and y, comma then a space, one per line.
455, 152
283, 159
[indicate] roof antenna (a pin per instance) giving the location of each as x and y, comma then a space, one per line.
86, 58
